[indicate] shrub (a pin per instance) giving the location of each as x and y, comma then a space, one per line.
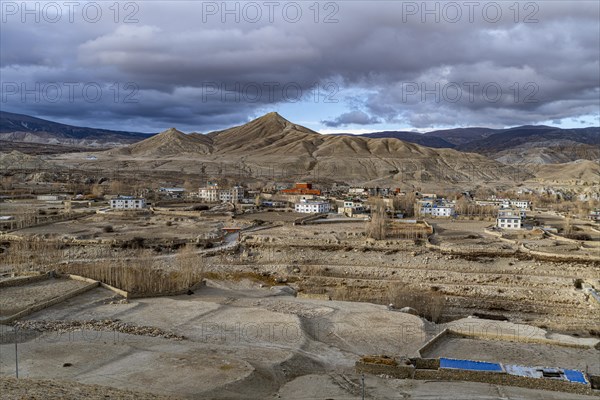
108, 229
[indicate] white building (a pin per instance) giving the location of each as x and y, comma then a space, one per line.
520, 204
310, 207
350, 208
233, 195
442, 211
436, 208
128, 203
357, 190
214, 194
209, 194
509, 219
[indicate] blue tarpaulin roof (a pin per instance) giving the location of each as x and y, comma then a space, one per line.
575, 376
470, 365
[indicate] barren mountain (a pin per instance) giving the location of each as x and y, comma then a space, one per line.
411, 137
558, 152
18, 160
168, 144
577, 172
459, 136
538, 144
273, 142
520, 145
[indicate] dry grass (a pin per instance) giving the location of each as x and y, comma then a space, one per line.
32, 254
141, 277
429, 304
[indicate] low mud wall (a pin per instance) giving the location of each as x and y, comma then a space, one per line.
51, 302
24, 280
500, 378
397, 371
432, 342
558, 257
425, 369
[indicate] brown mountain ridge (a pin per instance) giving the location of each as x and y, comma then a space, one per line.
271, 141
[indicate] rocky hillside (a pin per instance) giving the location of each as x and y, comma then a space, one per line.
519, 145
168, 144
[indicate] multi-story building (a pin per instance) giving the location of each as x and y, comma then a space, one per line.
350, 207
509, 219
214, 194
209, 194
232, 195
312, 207
444, 210
436, 208
128, 203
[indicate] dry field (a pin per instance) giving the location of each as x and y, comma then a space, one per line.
327, 259
17, 298
121, 226
241, 341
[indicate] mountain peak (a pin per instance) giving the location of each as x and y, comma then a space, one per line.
271, 117
171, 132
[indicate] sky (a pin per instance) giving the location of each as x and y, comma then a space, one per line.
333, 66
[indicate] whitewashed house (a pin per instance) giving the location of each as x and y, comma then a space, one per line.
520, 204
214, 194
312, 207
446, 210
436, 208
509, 219
128, 203
349, 207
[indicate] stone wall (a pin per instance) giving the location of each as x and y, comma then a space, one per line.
500, 378
397, 371
428, 369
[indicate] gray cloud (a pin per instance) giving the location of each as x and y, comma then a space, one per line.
202, 74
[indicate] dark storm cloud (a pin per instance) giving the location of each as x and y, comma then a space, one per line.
180, 66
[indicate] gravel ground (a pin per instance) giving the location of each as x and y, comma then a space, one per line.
19, 389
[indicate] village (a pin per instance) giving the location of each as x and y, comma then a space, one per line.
337, 203
405, 262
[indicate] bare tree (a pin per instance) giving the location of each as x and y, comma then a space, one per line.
377, 226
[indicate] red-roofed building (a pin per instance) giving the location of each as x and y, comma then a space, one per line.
302, 188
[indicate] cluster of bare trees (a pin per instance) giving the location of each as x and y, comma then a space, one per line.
142, 276
377, 226
470, 209
429, 304
31, 255
407, 231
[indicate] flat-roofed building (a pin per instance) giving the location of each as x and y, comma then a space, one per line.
312, 207
509, 219
128, 203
